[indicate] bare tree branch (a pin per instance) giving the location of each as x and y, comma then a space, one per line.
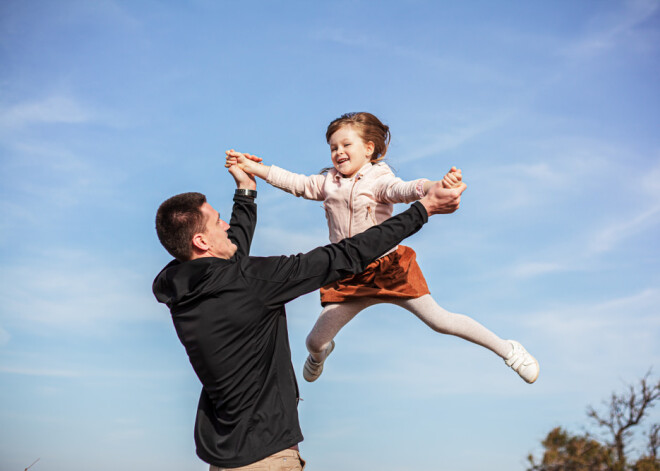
654, 441
619, 419
625, 411
26, 469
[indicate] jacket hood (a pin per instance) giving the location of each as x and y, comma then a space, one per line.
180, 283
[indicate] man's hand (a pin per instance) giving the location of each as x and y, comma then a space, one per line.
243, 180
452, 179
441, 200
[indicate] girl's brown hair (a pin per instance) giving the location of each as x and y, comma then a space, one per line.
368, 127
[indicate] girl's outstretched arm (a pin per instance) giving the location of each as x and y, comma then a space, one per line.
394, 190
308, 187
248, 163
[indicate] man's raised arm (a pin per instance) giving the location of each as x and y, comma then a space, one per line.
281, 279
244, 214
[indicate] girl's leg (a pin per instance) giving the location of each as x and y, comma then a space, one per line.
459, 325
333, 318
319, 341
462, 326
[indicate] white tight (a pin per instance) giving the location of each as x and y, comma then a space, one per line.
337, 315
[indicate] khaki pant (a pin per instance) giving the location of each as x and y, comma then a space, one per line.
285, 460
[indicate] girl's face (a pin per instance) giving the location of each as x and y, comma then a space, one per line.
349, 153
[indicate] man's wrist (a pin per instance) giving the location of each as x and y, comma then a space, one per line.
424, 202
245, 192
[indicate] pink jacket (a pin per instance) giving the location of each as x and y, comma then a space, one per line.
352, 205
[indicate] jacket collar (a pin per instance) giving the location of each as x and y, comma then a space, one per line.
364, 170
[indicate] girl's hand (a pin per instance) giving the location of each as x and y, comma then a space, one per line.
246, 162
249, 163
233, 154
453, 178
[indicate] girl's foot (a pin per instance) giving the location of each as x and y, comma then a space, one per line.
522, 362
313, 369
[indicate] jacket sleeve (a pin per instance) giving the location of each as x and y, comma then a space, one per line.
309, 187
391, 189
242, 224
278, 280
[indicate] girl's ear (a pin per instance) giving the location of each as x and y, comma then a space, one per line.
199, 242
370, 146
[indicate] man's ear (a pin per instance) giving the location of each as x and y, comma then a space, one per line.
199, 242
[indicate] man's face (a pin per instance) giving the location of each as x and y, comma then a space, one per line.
215, 234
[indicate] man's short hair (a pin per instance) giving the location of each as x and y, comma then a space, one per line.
178, 219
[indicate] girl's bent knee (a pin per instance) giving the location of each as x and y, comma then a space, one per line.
314, 344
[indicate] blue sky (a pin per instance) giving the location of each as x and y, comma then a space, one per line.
109, 107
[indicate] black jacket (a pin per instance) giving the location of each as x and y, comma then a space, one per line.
230, 317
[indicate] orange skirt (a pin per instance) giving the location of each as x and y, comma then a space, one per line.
395, 275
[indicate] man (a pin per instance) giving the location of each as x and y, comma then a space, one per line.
228, 311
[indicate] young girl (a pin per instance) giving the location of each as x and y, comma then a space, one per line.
358, 192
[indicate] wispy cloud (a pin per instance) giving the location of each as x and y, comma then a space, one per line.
619, 332
124, 432
48, 176
532, 269
455, 137
614, 28
340, 36
585, 251
40, 372
537, 175
436, 61
4, 336
650, 180
576, 174
108, 11
611, 236
74, 291
51, 110
578, 320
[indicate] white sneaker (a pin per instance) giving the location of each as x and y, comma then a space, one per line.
312, 369
522, 362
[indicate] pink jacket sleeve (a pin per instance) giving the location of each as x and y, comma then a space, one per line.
391, 189
309, 187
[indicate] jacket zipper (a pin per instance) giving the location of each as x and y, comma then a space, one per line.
350, 208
